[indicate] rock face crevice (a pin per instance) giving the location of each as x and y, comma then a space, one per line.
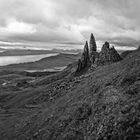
91, 57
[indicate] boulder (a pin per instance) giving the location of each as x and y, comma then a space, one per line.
22, 83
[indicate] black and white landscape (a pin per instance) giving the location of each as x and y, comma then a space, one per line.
69, 70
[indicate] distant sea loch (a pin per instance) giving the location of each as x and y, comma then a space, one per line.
7, 60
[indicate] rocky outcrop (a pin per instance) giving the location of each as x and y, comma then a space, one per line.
85, 55
92, 43
138, 48
22, 83
79, 68
92, 58
93, 48
108, 55
85, 59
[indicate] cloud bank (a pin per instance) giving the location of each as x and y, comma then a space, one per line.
62, 21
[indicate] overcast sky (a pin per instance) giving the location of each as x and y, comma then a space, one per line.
70, 21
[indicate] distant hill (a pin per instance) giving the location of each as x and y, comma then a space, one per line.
60, 60
20, 52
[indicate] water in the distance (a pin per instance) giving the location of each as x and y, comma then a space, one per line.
6, 60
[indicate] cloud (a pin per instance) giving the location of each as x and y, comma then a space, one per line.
18, 27
70, 20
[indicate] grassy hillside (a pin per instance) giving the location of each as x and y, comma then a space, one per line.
103, 104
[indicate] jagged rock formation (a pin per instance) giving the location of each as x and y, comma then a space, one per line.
84, 61
93, 48
138, 48
79, 65
108, 55
85, 55
92, 43
93, 58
